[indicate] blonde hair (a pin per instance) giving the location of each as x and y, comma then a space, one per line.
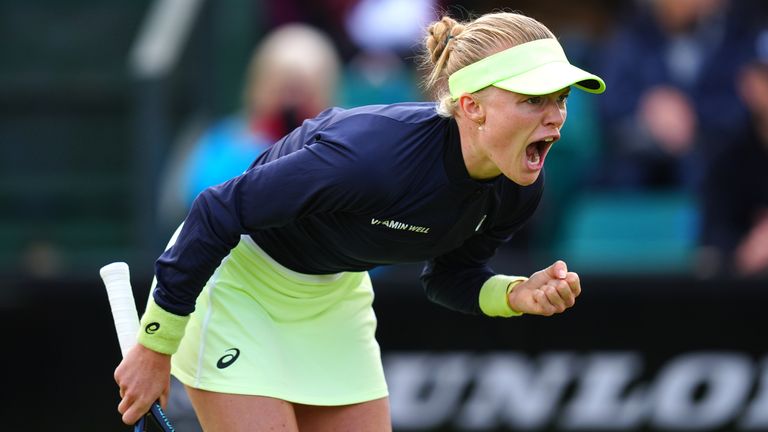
451, 45
291, 53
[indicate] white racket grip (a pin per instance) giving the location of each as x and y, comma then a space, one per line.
117, 280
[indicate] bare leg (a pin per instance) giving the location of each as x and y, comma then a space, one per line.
371, 416
223, 412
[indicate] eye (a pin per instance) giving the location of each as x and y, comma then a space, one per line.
563, 97
535, 100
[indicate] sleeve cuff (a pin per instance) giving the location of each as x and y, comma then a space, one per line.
159, 330
493, 295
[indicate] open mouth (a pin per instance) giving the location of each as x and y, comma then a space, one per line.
536, 152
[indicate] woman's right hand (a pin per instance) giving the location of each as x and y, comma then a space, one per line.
144, 376
546, 292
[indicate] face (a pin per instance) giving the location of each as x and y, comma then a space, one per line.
517, 132
753, 89
680, 15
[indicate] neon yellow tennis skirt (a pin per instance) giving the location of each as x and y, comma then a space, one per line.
260, 328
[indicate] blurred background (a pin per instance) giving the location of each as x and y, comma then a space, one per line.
115, 114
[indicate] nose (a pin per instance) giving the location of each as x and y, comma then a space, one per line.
555, 115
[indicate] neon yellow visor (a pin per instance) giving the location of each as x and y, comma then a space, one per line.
533, 68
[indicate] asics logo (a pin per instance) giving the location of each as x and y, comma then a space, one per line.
152, 328
227, 359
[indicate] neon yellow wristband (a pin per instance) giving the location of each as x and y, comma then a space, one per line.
494, 295
159, 330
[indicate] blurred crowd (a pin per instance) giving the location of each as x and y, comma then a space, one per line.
685, 116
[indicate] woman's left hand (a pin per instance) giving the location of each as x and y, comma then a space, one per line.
547, 291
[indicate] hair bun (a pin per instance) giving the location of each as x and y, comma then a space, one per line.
439, 35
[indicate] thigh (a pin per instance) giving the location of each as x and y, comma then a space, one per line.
371, 416
224, 412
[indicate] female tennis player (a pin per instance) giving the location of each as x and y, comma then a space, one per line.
262, 305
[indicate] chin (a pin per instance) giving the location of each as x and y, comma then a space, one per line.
526, 179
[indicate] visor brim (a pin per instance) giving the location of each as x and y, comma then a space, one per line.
551, 77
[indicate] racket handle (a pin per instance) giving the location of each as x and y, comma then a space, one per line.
140, 425
162, 420
117, 280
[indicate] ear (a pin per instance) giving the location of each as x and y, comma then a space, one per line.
471, 108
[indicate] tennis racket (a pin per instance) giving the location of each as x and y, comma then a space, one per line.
117, 280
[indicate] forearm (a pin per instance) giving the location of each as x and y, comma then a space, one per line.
209, 232
458, 290
477, 291
192, 256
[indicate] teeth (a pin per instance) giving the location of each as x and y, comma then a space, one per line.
550, 139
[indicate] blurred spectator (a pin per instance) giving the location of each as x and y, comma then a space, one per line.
292, 76
378, 73
735, 191
376, 53
672, 103
396, 25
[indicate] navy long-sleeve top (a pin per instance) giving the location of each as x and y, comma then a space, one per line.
350, 190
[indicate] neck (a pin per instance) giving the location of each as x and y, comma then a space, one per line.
477, 163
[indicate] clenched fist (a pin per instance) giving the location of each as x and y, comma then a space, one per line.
547, 291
